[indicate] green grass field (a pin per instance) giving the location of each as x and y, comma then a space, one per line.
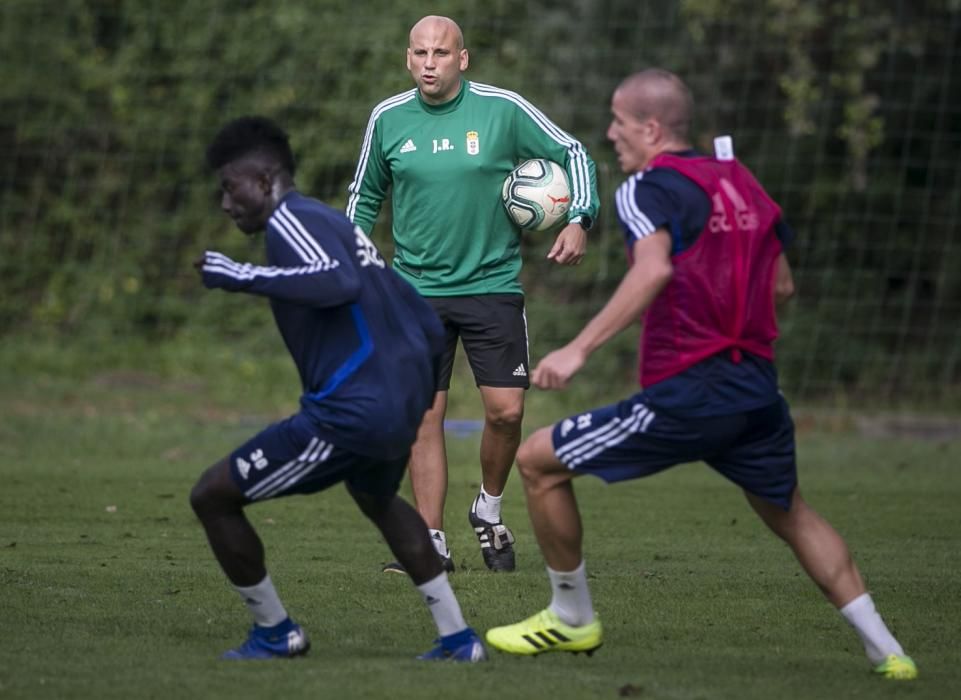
109, 591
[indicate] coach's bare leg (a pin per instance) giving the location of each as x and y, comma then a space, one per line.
428, 465
550, 502
818, 547
503, 413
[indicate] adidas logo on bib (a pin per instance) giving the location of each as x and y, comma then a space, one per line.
520, 371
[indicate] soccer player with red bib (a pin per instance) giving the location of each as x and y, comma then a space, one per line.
707, 268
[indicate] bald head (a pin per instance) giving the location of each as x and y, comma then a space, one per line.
437, 26
662, 95
436, 58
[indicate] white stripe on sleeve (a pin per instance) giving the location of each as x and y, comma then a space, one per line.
581, 183
629, 213
354, 188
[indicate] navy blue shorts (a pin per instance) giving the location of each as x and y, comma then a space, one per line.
630, 440
292, 457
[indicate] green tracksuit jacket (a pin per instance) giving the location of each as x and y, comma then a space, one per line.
444, 166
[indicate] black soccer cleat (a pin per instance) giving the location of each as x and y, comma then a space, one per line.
395, 567
496, 542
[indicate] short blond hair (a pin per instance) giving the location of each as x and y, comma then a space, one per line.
660, 94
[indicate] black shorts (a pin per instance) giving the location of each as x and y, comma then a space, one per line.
493, 330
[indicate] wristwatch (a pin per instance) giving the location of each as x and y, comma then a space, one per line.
584, 220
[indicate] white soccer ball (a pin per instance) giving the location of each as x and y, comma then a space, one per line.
537, 194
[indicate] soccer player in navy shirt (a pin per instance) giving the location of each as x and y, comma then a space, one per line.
366, 347
706, 247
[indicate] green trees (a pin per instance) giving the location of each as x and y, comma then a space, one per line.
848, 111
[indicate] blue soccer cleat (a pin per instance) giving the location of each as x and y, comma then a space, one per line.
283, 641
464, 646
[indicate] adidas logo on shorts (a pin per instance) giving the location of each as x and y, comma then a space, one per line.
520, 371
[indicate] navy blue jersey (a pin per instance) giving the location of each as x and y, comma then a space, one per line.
663, 198
365, 343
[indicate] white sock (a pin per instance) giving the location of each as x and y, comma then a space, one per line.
443, 605
572, 598
263, 603
439, 540
878, 641
487, 507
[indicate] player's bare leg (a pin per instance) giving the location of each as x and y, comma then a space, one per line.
405, 533
219, 504
818, 547
568, 623
407, 536
824, 555
551, 503
503, 413
427, 469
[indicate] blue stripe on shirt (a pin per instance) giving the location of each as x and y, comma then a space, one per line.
355, 360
